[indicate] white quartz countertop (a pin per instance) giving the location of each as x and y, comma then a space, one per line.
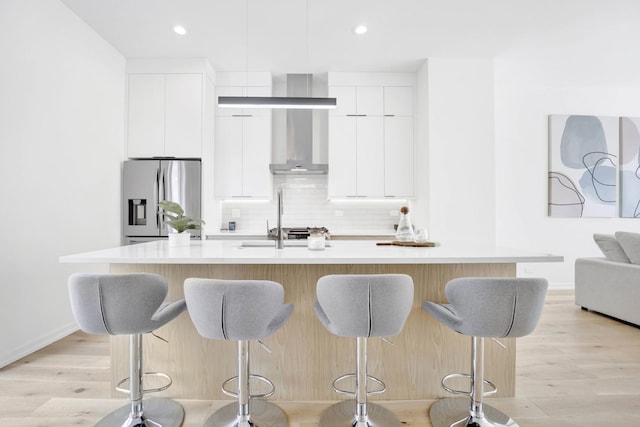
340, 252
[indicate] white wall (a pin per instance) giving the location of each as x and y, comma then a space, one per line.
461, 150
528, 89
420, 205
61, 133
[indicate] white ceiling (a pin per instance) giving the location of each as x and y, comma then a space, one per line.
272, 35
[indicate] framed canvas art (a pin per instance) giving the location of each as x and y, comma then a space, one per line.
629, 167
583, 158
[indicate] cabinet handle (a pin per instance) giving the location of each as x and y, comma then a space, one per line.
389, 115
242, 115
356, 115
357, 196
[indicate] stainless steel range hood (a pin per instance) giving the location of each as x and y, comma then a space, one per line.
299, 133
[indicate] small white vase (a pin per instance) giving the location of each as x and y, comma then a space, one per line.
179, 239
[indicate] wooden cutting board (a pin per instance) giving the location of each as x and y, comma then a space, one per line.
413, 244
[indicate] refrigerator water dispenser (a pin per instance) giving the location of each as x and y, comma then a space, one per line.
137, 211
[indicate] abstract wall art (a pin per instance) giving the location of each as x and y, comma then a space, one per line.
583, 158
629, 167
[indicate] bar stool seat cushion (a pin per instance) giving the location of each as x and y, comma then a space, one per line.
491, 307
121, 304
353, 305
236, 309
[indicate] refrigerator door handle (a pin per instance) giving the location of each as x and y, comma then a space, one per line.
156, 195
163, 189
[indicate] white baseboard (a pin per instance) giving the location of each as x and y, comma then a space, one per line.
36, 344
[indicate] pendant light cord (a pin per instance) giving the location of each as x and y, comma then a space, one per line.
307, 30
246, 39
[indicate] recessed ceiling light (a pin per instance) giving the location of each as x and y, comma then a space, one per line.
180, 30
360, 29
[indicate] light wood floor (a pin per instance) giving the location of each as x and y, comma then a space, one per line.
577, 369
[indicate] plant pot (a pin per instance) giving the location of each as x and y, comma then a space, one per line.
179, 239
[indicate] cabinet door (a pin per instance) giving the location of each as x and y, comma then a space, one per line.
398, 157
183, 115
370, 156
398, 101
342, 157
227, 91
145, 127
256, 156
369, 101
345, 100
228, 157
257, 91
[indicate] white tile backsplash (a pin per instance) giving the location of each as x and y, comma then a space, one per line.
306, 205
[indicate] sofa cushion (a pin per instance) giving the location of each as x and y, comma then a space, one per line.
630, 243
611, 248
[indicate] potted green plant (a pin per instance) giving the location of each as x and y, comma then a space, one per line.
175, 219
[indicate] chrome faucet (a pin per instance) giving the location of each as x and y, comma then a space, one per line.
279, 235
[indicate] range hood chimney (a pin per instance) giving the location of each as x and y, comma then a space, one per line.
299, 133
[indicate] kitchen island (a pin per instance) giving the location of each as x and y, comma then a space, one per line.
305, 357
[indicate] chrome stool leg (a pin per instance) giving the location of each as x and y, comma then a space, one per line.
359, 412
155, 412
458, 411
249, 410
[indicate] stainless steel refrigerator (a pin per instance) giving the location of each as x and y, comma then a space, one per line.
148, 181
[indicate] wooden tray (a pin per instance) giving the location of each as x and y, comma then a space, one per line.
413, 244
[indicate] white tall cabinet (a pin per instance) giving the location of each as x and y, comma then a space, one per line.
371, 137
167, 109
399, 148
243, 139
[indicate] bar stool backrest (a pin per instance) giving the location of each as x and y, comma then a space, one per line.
117, 303
236, 309
364, 305
496, 307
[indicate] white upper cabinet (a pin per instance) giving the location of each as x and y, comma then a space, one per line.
165, 115
357, 101
370, 161
343, 157
228, 91
371, 136
345, 100
256, 156
242, 148
398, 157
146, 115
369, 101
183, 115
242, 91
398, 101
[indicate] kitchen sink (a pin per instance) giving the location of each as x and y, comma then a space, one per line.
296, 243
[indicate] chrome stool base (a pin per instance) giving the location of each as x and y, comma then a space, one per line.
454, 412
342, 414
157, 412
263, 414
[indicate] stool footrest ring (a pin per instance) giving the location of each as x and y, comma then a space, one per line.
150, 390
493, 390
252, 396
353, 393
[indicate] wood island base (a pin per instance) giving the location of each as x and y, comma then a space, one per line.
305, 357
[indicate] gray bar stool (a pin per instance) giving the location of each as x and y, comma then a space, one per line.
240, 310
129, 304
483, 307
362, 306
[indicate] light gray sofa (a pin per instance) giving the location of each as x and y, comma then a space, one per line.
608, 287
